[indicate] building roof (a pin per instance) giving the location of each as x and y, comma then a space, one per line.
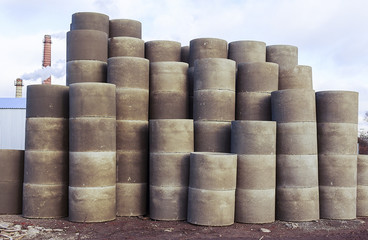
12, 103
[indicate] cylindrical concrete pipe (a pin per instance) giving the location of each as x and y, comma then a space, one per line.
90, 21
125, 28
212, 184
126, 46
255, 82
85, 71
213, 103
168, 90
190, 76
247, 51
255, 144
185, 54
337, 119
92, 152
171, 142
45, 188
131, 77
297, 197
11, 181
286, 56
86, 45
299, 77
362, 188
206, 48
163, 51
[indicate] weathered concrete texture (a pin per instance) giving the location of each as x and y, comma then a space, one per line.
286, 56
253, 137
128, 72
92, 134
297, 204
85, 71
214, 74
131, 199
297, 171
185, 54
247, 51
212, 136
253, 106
255, 205
169, 105
215, 105
337, 138
362, 171
300, 77
92, 169
47, 134
168, 90
126, 46
47, 101
45, 201
190, 76
92, 204
256, 172
163, 51
132, 167
168, 203
92, 100
132, 104
362, 201
91, 21
293, 105
86, 45
125, 28
213, 171
257, 77
11, 197
337, 170
211, 207
169, 169
297, 138
206, 48
46, 167
11, 181
338, 202
132, 135
337, 107
171, 135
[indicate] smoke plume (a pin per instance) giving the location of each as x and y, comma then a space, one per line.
57, 70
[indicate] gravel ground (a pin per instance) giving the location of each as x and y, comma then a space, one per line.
17, 227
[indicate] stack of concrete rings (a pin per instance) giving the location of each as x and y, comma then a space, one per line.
92, 152
337, 118
11, 181
214, 104
362, 186
45, 188
255, 144
297, 197
212, 183
171, 142
87, 50
131, 77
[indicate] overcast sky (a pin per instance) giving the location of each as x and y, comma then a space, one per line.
331, 35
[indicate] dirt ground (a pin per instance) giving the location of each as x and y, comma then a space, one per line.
17, 227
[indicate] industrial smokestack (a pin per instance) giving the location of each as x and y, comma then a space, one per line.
18, 83
46, 62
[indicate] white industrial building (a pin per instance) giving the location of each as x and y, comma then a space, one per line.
12, 123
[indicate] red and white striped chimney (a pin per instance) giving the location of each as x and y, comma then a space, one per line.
46, 62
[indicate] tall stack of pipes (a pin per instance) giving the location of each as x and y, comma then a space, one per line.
212, 133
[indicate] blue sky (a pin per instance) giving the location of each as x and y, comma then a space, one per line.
331, 35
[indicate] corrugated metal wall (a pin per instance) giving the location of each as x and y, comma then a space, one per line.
12, 128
